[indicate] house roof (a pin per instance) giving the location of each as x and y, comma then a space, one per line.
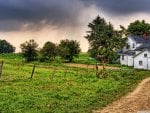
138, 53
140, 39
141, 52
130, 52
143, 47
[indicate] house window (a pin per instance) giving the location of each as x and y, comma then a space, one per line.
122, 57
128, 47
133, 45
141, 63
145, 55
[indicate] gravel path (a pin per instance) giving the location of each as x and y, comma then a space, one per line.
138, 100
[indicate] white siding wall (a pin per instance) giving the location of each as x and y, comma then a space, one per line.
129, 42
130, 60
138, 45
125, 61
149, 63
137, 52
145, 61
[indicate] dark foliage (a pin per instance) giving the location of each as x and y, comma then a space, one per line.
68, 49
29, 50
139, 28
49, 51
6, 47
103, 39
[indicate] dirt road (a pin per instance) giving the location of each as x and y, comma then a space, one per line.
89, 66
138, 100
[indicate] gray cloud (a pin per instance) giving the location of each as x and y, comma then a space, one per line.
16, 13
33, 14
121, 7
69, 17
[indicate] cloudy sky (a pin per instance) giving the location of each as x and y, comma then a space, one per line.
54, 20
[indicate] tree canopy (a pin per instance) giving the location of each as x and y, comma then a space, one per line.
103, 39
29, 50
68, 49
49, 51
6, 47
139, 28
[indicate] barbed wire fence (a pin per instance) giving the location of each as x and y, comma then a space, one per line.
77, 71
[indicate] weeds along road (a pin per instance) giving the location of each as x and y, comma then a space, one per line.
138, 100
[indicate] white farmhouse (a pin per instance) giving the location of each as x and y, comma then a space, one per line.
136, 53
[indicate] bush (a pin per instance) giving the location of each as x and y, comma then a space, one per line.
49, 51
68, 49
6, 47
29, 50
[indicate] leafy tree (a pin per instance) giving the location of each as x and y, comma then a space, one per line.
29, 50
103, 39
139, 28
49, 51
6, 47
68, 49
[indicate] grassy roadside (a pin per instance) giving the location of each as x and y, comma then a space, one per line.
73, 92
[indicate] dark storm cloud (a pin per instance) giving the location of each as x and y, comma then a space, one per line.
16, 13
121, 7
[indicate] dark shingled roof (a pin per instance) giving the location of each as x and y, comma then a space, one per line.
140, 39
130, 52
143, 47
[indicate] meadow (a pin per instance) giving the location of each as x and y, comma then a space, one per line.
56, 88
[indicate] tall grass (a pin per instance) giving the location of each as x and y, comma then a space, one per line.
61, 91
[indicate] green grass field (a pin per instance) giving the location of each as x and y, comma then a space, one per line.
55, 90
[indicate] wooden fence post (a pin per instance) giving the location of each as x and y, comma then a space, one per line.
77, 71
33, 71
1, 68
53, 73
121, 69
97, 73
87, 69
65, 72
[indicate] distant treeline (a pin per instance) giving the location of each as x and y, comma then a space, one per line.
104, 42
67, 50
